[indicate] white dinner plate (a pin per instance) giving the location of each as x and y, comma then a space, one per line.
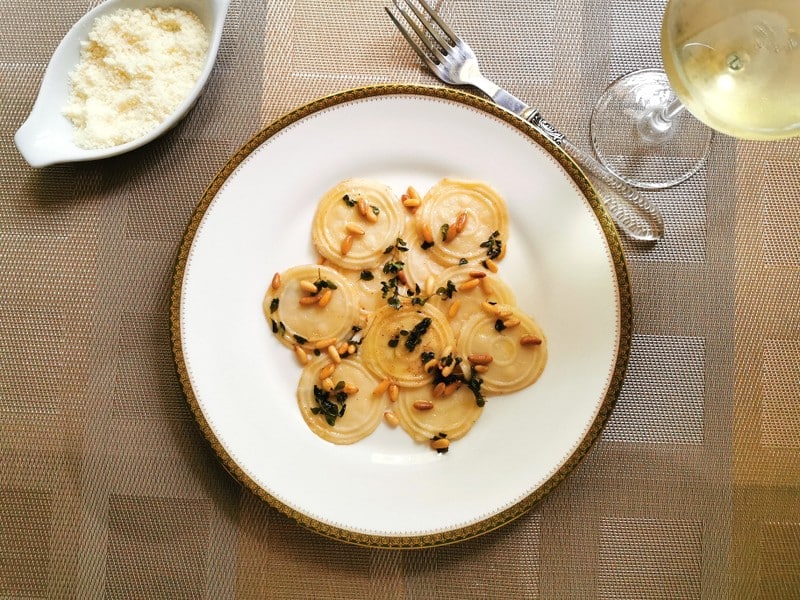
564, 263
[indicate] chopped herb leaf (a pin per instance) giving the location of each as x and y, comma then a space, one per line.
393, 266
367, 275
415, 335
426, 245
300, 339
331, 406
348, 200
499, 325
419, 301
494, 245
447, 291
375, 210
401, 245
393, 343
474, 386
273, 306
444, 229
324, 283
462, 261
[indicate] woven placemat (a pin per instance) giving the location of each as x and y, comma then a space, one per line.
107, 488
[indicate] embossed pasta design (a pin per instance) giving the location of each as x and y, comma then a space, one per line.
405, 319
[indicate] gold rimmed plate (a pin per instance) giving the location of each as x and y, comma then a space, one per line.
564, 262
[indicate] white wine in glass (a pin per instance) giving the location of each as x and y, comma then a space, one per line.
734, 64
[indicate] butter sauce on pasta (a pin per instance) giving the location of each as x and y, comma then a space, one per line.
406, 316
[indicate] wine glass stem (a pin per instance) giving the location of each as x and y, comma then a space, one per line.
656, 126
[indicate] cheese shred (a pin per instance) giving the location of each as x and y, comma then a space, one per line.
136, 67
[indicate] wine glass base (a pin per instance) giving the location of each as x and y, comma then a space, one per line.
635, 152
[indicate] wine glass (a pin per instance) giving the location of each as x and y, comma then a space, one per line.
734, 64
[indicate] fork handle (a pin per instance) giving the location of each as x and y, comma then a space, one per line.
632, 212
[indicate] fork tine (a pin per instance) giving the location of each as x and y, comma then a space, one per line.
435, 16
426, 22
431, 48
425, 58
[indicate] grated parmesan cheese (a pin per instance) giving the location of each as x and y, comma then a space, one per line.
136, 67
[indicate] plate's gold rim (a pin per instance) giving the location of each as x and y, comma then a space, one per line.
625, 317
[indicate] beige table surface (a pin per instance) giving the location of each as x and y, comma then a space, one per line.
107, 488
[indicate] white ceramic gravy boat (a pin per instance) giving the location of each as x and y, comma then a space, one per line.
46, 136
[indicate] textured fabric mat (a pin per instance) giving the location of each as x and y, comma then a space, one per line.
107, 488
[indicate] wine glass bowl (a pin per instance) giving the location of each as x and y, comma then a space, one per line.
734, 64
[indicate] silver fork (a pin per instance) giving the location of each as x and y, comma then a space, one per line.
454, 62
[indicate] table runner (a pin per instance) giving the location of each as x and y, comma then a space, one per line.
107, 488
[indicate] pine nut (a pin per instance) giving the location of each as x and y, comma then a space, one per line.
466, 370
413, 193
394, 392
343, 348
477, 274
423, 405
427, 234
451, 388
328, 385
401, 275
454, 308
351, 349
308, 286
319, 345
481, 368
480, 359
391, 418
440, 444
430, 282
326, 371
412, 202
461, 222
486, 286
490, 308
308, 300
451, 234
371, 216
491, 265
301, 355
326, 297
334, 354
511, 322
381, 387
362, 207
430, 365
350, 388
347, 244
470, 284
276, 281
448, 350
530, 340
353, 229
448, 370
438, 389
